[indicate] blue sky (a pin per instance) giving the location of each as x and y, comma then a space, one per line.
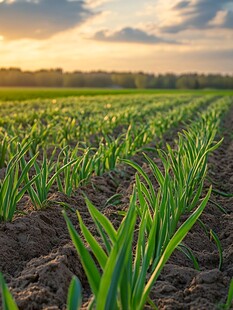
153, 36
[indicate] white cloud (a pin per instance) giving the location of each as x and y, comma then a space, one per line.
130, 35
96, 3
194, 14
219, 19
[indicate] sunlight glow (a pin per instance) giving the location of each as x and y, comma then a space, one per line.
116, 35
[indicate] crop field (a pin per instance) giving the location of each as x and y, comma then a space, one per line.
116, 201
21, 93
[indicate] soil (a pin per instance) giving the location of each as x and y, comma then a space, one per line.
38, 259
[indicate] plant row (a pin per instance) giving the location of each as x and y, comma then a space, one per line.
81, 121
70, 168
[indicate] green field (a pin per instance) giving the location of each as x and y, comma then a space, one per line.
124, 175
19, 94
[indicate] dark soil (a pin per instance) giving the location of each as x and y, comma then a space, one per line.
38, 259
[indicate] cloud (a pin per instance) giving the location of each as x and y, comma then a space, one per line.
40, 19
228, 22
215, 55
130, 35
197, 14
181, 5
96, 3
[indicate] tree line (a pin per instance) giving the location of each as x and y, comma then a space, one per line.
59, 78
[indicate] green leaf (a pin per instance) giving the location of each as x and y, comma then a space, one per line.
222, 193
119, 256
8, 302
219, 246
74, 300
95, 247
229, 297
189, 253
87, 261
174, 242
102, 220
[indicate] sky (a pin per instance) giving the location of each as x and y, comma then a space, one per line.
155, 36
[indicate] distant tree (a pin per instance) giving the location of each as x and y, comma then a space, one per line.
49, 78
125, 80
187, 81
57, 78
75, 79
169, 81
97, 79
141, 80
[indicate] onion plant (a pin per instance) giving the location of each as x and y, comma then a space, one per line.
45, 178
8, 147
125, 278
3, 151
13, 187
78, 172
107, 155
